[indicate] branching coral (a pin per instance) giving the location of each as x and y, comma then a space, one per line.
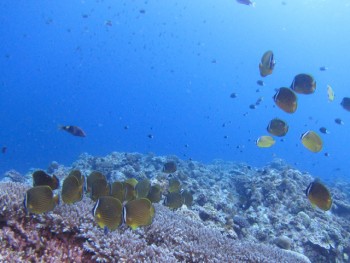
69, 234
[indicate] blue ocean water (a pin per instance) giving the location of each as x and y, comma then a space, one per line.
167, 69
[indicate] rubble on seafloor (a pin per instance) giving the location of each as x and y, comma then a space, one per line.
234, 202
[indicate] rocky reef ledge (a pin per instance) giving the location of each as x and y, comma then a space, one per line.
239, 214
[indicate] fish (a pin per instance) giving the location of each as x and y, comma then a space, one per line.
99, 188
129, 191
169, 167
3, 149
72, 190
265, 141
233, 95
345, 103
117, 190
142, 188
187, 197
107, 213
339, 121
252, 106
260, 83
93, 176
42, 178
324, 130
174, 200
77, 174
323, 68
277, 127
303, 84
330, 93
131, 181
74, 130
174, 185
246, 2
312, 141
267, 64
319, 195
138, 212
154, 194
40, 199
286, 100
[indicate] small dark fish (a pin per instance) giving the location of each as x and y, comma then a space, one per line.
246, 2
233, 95
84, 15
324, 130
108, 23
142, 11
319, 195
126, 127
260, 83
4, 149
323, 68
303, 84
339, 121
174, 200
74, 130
326, 154
252, 106
150, 136
345, 103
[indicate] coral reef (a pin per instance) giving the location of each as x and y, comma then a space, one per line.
240, 214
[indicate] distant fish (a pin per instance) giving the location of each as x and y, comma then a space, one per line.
154, 194
260, 83
303, 84
345, 103
233, 95
174, 185
174, 200
267, 64
3, 149
74, 130
323, 68
324, 130
330, 93
312, 141
40, 199
319, 195
169, 167
246, 2
142, 188
339, 121
187, 198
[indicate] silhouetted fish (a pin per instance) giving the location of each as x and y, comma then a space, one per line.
74, 130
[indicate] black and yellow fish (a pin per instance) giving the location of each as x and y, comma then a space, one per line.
138, 212
142, 188
154, 194
286, 100
99, 188
174, 185
267, 64
169, 167
277, 127
312, 141
93, 176
72, 190
265, 141
187, 198
108, 212
303, 84
74, 130
42, 178
319, 195
174, 200
40, 199
117, 191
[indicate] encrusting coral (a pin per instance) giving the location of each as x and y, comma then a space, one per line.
69, 234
